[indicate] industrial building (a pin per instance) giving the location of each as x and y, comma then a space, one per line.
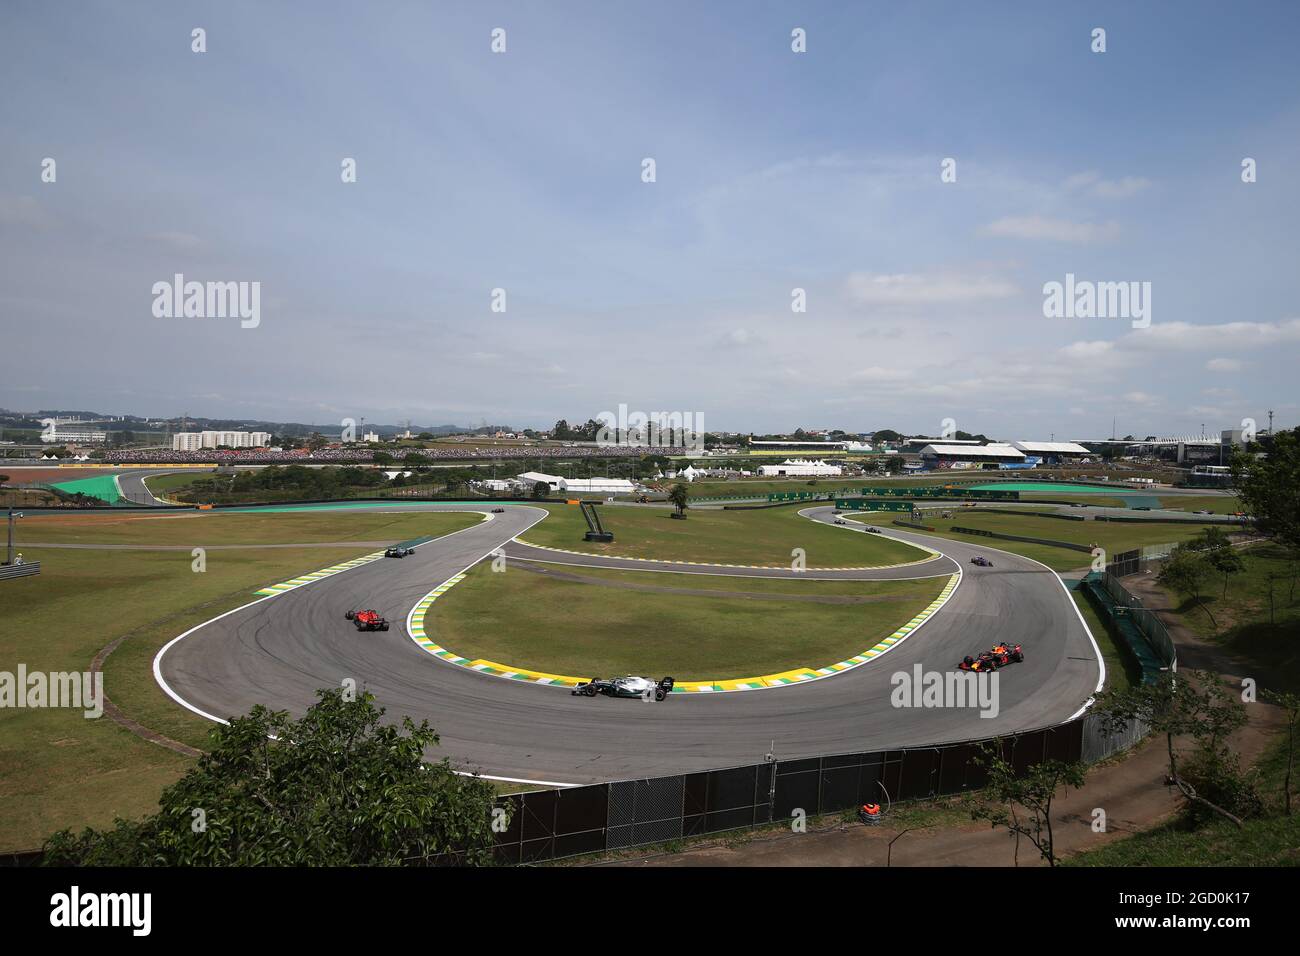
1052, 452
947, 455
799, 468
578, 486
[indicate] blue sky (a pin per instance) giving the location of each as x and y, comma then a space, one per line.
775, 170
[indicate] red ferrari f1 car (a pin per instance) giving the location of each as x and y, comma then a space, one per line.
370, 620
999, 656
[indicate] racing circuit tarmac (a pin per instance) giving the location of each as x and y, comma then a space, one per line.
279, 650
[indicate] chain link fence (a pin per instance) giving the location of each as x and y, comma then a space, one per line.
552, 824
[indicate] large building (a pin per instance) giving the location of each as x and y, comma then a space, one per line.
799, 468
585, 486
1052, 452
54, 433
945, 455
194, 441
801, 447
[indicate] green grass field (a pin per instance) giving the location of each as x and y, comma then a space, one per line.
166, 484
1219, 504
1270, 840
758, 537
1270, 642
59, 769
1113, 536
196, 528
751, 629
1121, 669
1243, 614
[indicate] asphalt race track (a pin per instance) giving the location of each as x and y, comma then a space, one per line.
278, 651
134, 488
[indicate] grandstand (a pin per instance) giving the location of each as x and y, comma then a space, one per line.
951, 455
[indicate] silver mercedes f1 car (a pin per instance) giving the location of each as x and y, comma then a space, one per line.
628, 686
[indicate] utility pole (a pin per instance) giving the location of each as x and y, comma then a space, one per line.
13, 516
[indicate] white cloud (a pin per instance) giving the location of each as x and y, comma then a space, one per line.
1223, 365
1093, 184
1086, 350
900, 289
1120, 188
1187, 337
1055, 230
23, 211
180, 240
876, 373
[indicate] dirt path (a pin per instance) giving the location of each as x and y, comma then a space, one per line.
1129, 790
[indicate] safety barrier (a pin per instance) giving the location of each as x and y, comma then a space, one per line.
8, 571
1034, 514
1144, 632
981, 532
551, 824
1198, 520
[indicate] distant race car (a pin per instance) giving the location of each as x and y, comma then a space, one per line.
628, 686
839, 521
982, 561
498, 511
370, 620
398, 552
999, 655
873, 530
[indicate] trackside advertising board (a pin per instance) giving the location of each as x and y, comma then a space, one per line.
937, 492
857, 504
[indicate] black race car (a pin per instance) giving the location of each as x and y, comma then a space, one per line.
498, 511
628, 686
398, 552
982, 561
999, 655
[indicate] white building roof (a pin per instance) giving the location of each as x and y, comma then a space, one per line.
1050, 448
536, 476
967, 451
598, 484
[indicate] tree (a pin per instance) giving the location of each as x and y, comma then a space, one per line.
1291, 704
1184, 573
316, 441
1227, 562
1211, 538
680, 496
542, 489
1175, 706
1269, 488
336, 788
1023, 802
